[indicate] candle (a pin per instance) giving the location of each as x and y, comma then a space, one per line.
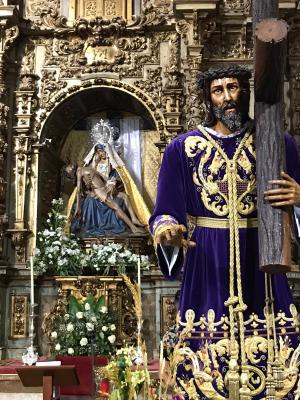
139, 271
161, 352
31, 281
161, 368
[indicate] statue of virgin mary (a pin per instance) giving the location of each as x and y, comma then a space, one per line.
108, 200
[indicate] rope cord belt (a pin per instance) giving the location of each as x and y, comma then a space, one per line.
223, 223
235, 302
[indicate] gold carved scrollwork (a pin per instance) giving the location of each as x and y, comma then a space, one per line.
23, 140
151, 56
194, 108
8, 37
19, 238
66, 47
50, 85
91, 9
109, 83
100, 28
150, 17
168, 312
132, 44
49, 16
36, 7
27, 83
182, 27
27, 64
103, 55
172, 71
60, 308
164, 7
238, 6
152, 85
112, 288
112, 8
222, 44
18, 316
3, 126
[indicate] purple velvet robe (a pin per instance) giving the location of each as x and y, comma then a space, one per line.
205, 275
185, 187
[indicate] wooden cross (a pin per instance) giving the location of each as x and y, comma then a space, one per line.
270, 36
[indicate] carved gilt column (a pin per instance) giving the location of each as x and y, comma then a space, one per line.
9, 31
23, 148
173, 92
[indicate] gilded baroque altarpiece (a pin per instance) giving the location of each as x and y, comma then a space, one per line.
55, 56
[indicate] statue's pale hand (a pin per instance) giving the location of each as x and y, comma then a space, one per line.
287, 194
174, 237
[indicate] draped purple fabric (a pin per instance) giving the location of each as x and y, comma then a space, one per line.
194, 181
206, 267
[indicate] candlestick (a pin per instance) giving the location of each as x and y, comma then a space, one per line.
31, 356
31, 281
161, 368
139, 270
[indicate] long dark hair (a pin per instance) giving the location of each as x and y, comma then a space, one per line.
234, 71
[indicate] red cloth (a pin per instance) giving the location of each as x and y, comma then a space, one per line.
84, 371
9, 366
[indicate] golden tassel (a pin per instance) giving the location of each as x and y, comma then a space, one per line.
233, 380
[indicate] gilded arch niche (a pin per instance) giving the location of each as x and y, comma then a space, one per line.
72, 107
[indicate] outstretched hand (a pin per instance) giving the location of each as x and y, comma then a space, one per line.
174, 237
288, 193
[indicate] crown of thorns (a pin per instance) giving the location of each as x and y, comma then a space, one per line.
233, 71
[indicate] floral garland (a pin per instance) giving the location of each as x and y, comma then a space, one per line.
113, 258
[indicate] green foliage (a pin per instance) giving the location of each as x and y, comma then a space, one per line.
87, 325
128, 372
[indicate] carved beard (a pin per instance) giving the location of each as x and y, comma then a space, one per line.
232, 120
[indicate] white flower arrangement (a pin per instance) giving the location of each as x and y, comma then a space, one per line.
58, 253
87, 330
112, 258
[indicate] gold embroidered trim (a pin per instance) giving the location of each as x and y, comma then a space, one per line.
235, 302
222, 223
213, 189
